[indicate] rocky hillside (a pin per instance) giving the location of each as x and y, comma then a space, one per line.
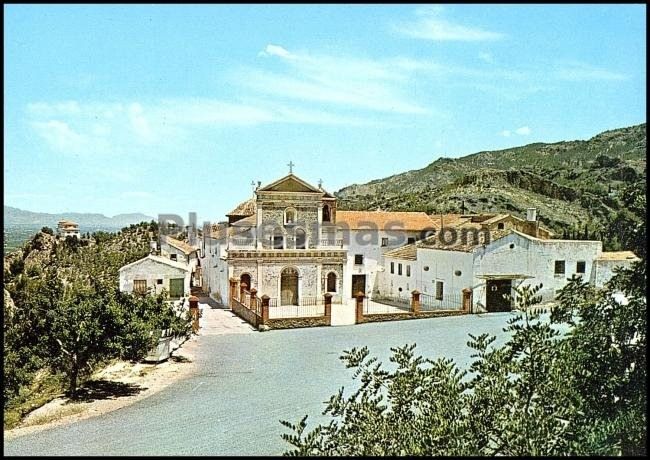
99, 255
573, 183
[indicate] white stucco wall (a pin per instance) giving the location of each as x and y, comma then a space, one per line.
151, 270
534, 258
603, 270
368, 244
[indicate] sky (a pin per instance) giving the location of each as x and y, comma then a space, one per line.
177, 109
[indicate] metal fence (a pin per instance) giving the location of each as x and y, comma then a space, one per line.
386, 304
296, 311
429, 302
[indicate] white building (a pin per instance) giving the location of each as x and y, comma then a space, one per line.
67, 228
491, 265
180, 251
152, 274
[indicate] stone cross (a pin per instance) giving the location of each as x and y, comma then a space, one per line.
291, 164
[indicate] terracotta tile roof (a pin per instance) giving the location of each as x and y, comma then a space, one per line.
414, 221
617, 255
178, 244
408, 252
464, 243
247, 208
448, 220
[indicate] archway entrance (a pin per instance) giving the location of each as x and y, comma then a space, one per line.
289, 286
245, 278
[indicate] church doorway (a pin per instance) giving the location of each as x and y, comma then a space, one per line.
496, 293
245, 278
289, 286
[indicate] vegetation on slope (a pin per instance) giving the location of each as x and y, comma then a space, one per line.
64, 314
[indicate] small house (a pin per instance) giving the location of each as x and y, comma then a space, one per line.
152, 274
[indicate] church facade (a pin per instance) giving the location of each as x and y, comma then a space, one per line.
290, 242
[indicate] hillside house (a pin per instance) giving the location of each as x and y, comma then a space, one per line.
67, 228
152, 274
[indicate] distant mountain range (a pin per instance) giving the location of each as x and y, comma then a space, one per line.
571, 183
19, 217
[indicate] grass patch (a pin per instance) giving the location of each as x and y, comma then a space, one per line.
44, 389
60, 413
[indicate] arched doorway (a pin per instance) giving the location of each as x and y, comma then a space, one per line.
331, 282
289, 286
326, 213
245, 278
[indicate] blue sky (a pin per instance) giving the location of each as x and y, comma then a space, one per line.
172, 109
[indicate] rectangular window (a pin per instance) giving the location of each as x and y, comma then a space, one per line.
439, 290
358, 259
411, 240
559, 267
392, 268
408, 270
384, 242
159, 281
173, 256
580, 266
399, 269
140, 286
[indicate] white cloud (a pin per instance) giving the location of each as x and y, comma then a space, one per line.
579, 71
361, 83
275, 50
60, 136
430, 26
523, 131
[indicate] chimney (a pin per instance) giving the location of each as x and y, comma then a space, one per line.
531, 214
533, 223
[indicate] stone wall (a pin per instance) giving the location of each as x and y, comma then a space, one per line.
293, 323
410, 315
244, 313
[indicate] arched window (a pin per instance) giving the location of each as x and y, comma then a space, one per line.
290, 216
278, 239
326, 213
301, 239
331, 282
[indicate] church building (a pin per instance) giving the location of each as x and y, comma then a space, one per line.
290, 242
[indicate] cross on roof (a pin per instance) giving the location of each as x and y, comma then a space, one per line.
291, 164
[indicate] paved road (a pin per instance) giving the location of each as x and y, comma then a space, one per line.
245, 384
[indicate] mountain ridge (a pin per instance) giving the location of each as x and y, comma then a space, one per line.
17, 216
572, 183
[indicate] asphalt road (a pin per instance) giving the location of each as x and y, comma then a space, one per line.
245, 384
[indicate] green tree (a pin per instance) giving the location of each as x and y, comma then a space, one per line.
544, 392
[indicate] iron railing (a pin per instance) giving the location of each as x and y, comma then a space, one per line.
451, 301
